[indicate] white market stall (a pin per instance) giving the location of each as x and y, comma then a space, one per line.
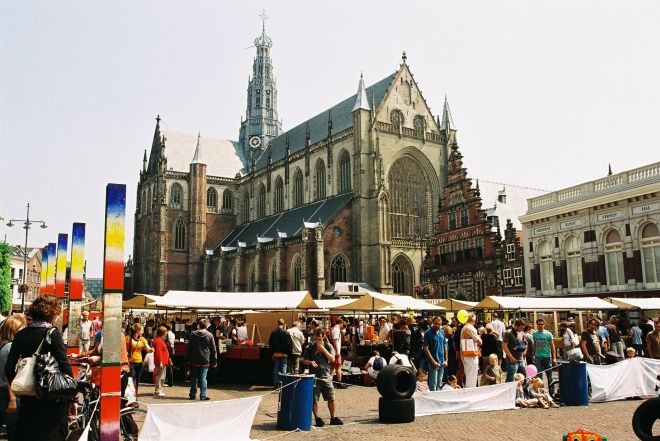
387, 302
457, 305
647, 304
141, 301
233, 301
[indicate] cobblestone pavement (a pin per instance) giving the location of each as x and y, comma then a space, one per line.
358, 407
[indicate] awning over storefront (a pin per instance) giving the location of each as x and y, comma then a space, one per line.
645, 304
387, 302
457, 305
545, 303
232, 301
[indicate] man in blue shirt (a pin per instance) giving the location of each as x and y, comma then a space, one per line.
435, 348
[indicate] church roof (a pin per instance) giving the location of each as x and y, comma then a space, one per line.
221, 156
516, 201
342, 119
288, 223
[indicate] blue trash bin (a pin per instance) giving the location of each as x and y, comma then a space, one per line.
573, 384
294, 410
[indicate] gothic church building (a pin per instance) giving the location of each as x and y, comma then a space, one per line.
344, 196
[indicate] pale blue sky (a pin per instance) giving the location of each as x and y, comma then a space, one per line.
543, 94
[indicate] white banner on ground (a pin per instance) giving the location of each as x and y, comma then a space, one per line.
476, 399
228, 419
632, 377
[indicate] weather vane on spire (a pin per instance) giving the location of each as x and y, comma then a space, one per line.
264, 17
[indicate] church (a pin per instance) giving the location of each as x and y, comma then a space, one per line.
348, 195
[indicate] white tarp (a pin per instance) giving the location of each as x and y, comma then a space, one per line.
545, 303
231, 301
632, 377
332, 303
228, 419
476, 399
457, 305
645, 304
372, 301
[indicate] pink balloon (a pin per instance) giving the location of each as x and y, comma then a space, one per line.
531, 371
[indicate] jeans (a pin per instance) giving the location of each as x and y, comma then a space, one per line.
198, 376
293, 365
9, 420
136, 373
435, 377
511, 369
543, 363
471, 368
279, 367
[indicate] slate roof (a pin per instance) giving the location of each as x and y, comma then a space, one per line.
289, 222
342, 119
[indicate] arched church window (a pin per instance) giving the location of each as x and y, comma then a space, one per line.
245, 209
411, 187
344, 172
211, 199
227, 200
319, 176
252, 279
175, 196
651, 255
273, 275
298, 188
180, 235
402, 276
261, 202
278, 199
296, 274
338, 269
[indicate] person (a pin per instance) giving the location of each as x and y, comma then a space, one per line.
646, 327
567, 339
435, 350
416, 340
242, 331
653, 342
631, 352
545, 355
232, 332
604, 335
514, 346
401, 338
148, 368
498, 327
384, 330
537, 391
161, 360
336, 335
169, 342
136, 343
375, 364
319, 356
591, 343
85, 331
616, 343
522, 397
488, 346
636, 339
422, 384
9, 403
492, 372
201, 355
297, 342
280, 348
529, 345
452, 383
470, 343
97, 325
40, 419
402, 359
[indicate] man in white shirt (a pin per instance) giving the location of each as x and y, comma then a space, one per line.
242, 331
385, 329
297, 341
498, 326
85, 331
336, 344
375, 364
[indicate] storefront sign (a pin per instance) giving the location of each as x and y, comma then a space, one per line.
609, 216
570, 224
648, 208
543, 230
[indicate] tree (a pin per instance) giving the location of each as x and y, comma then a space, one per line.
5, 277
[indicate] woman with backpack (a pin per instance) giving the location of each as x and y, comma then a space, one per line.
9, 403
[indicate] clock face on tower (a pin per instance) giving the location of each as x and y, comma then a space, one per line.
255, 142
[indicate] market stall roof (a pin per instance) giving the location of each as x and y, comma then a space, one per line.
544, 303
373, 301
141, 301
457, 305
231, 301
645, 304
332, 303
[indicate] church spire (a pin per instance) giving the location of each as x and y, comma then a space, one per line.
361, 101
197, 159
447, 120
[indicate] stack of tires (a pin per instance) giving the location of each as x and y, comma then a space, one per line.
396, 385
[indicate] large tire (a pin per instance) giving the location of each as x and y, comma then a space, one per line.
396, 382
396, 411
643, 419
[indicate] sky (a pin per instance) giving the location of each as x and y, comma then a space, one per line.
544, 94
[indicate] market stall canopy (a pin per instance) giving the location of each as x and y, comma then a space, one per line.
457, 305
377, 302
544, 303
645, 304
332, 303
141, 301
231, 301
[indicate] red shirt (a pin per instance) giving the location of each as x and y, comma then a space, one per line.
161, 355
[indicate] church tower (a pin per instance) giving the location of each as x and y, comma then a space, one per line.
261, 123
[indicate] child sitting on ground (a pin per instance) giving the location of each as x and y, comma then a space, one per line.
537, 391
452, 383
522, 399
631, 352
422, 382
493, 372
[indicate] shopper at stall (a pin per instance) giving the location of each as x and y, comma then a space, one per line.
280, 346
384, 330
242, 331
136, 344
318, 356
591, 343
514, 345
297, 343
201, 355
435, 350
470, 344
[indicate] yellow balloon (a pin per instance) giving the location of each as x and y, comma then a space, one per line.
462, 316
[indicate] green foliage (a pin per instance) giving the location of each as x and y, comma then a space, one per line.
5, 277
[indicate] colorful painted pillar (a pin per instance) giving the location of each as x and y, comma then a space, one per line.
44, 270
76, 287
113, 286
50, 272
60, 264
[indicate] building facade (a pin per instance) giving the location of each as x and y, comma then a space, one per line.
33, 279
599, 237
340, 197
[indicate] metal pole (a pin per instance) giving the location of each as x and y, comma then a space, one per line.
27, 229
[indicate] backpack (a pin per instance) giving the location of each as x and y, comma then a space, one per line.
378, 364
398, 361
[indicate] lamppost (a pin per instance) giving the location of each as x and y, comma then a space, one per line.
422, 239
27, 223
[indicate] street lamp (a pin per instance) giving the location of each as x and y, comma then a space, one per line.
422, 239
27, 223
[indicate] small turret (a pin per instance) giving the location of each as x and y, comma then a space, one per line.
361, 101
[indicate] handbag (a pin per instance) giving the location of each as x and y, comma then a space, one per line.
52, 383
24, 384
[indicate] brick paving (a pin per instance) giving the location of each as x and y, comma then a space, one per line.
358, 407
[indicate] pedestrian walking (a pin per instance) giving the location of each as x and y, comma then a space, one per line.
201, 355
136, 344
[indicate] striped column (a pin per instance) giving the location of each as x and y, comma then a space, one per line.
76, 286
50, 272
113, 285
44, 270
60, 265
